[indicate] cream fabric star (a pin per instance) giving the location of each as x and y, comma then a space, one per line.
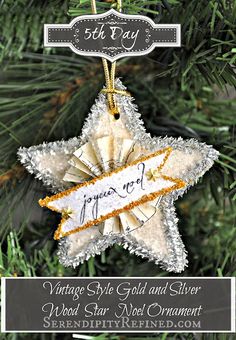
158, 239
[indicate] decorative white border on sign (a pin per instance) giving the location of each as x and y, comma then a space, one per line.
3, 303
177, 27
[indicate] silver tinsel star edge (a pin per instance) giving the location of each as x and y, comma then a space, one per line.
52, 176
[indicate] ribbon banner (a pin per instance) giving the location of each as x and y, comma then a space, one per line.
112, 35
112, 193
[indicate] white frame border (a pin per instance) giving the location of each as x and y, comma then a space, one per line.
124, 54
3, 304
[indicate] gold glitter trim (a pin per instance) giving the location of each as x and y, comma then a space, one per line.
145, 198
44, 202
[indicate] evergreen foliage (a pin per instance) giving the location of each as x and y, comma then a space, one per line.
45, 95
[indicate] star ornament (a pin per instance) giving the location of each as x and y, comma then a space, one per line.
121, 156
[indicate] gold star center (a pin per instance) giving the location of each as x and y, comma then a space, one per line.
66, 213
153, 175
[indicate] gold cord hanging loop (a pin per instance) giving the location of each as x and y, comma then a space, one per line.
110, 75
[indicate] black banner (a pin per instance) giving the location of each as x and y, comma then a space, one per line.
112, 35
117, 304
